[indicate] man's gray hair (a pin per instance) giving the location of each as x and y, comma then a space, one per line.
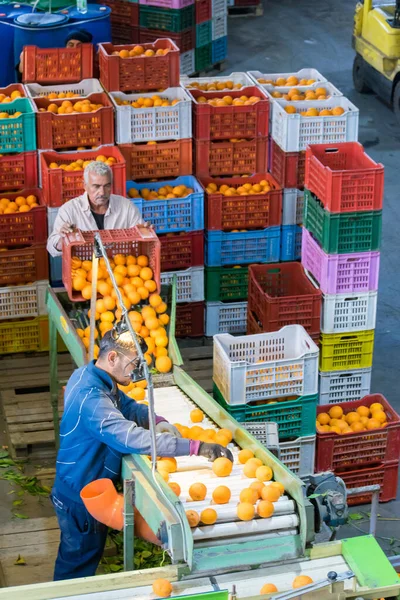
96, 167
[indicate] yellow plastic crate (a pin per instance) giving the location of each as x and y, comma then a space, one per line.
28, 335
342, 351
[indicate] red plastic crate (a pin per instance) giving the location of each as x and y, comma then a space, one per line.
123, 34
288, 168
27, 228
24, 265
282, 295
184, 40
335, 451
161, 160
344, 177
57, 65
385, 474
13, 87
18, 171
139, 73
203, 10
182, 250
223, 122
59, 186
256, 211
245, 3
77, 129
123, 12
190, 319
136, 241
213, 159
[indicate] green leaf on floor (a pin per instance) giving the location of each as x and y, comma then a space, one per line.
18, 502
356, 517
115, 568
20, 560
20, 516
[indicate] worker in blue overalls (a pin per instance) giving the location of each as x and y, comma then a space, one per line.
100, 424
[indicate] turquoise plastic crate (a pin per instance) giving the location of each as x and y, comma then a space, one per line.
291, 242
294, 417
203, 34
219, 50
18, 134
247, 247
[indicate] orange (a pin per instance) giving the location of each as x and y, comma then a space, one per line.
193, 518
137, 394
336, 412
373, 424
197, 491
125, 54
162, 340
355, 426
195, 432
222, 467
133, 270
104, 288
363, 411
250, 468
323, 418
208, 516
155, 300
107, 316
87, 332
375, 406
175, 487
164, 474
379, 415
290, 109
301, 581
168, 464
87, 292
150, 285
257, 486
264, 473
244, 455
221, 494
151, 322
196, 415
245, 511
109, 302
142, 260
87, 265
270, 493
248, 495
265, 509
161, 308
78, 283
268, 588
104, 327
337, 111
161, 587
352, 417
226, 433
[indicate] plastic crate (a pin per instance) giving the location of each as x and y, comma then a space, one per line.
187, 62
189, 284
340, 273
218, 6
293, 132
18, 302
139, 73
294, 416
182, 250
189, 320
283, 295
136, 240
83, 89
26, 228
174, 214
23, 265
166, 19
123, 11
291, 236
18, 134
219, 50
203, 57
346, 350
31, 335
203, 34
18, 171
343, 386
251, 211
162, 160
386, 475
175, 4
57, 65
203, 10
338, 451
288, 168
234, 79
265, 366
332, 91
230, 317
219, 25
59, 186
226, 284
56, 271
223, 249
302, 74
223, 122
14, 87
344, 177
348, 312
340, 233
185, 40
123, 34
134, 125
213, 159
292, 206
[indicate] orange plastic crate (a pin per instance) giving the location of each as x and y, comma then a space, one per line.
59, 186
75, 129
18, 171
23, 265
26, 228
136, 241
162, 160
216, 158
57, 65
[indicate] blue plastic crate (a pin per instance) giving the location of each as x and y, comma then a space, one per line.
18, 134
242, 248
291, 242
203, 34
219, 50
174, 214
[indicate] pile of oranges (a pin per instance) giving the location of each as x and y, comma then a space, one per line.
13, 96
21, 204
80, 164
336, 111
214, 86
291, 81
247, 189
295, 94
137, 51
5, 115
153, 101
68, 108
166, 192
229, 101
364, 418
60, 95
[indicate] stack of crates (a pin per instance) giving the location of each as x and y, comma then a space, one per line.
341, 242
272, 377
124, 20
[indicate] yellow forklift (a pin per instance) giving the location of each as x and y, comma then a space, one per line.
376, 40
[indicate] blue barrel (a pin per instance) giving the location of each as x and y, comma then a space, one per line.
8, 12
96, 20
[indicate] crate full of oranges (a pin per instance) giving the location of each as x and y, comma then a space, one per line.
22, 221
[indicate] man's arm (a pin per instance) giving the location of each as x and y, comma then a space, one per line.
62, 225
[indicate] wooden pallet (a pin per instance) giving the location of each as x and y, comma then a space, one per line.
220, 66
32, 371
246, 11
198, 363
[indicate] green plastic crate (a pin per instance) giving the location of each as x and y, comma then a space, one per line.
203, 34
294, 417
341, 233
18, 134
167, 19
203, 57
226, 284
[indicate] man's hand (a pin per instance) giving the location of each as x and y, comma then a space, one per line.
64, 230
214, 451
148, 225
164, 427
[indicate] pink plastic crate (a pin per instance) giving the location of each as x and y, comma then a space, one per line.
340, 273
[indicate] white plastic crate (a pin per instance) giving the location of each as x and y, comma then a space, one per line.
83, 88
302, 74
226, 317
266, 365
343, 386
294, 132
236, 78
189, 284
51, 217
187, 64
20, 301
348, 312
219, 25
218, 6
153, 124
292, 206
330, 88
